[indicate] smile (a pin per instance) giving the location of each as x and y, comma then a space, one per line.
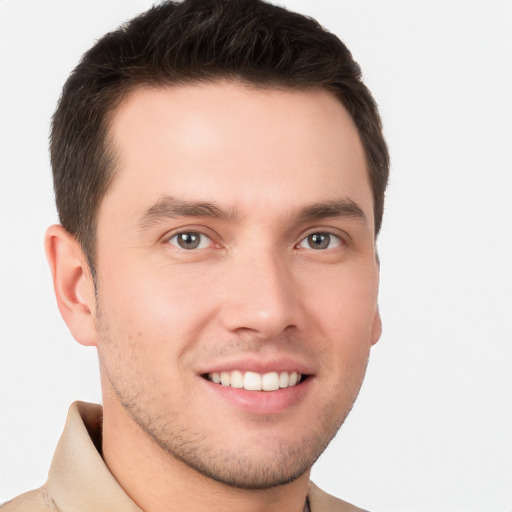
252, 381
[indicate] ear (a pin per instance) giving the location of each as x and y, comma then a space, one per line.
376, 327
377, 321
73, 284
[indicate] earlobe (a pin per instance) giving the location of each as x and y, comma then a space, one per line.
376, 327
72, 283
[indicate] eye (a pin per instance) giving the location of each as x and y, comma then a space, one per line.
321, 241
189, 240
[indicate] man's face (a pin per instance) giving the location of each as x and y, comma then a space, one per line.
237, 243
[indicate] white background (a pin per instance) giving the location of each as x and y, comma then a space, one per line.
432, 429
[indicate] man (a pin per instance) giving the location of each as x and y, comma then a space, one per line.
219, 173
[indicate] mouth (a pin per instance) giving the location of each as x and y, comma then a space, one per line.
253, 381
257, 388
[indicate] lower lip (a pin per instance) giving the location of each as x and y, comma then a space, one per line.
261, 402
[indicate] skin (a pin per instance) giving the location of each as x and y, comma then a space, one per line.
255, 293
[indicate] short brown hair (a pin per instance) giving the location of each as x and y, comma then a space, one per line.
196, 41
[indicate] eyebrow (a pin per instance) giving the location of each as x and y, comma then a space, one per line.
345, 208
169, 207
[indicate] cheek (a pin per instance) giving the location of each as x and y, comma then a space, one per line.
143, 332
156, 298
346, 303
150, 320
343, 312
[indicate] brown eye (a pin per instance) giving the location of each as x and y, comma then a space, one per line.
190, 240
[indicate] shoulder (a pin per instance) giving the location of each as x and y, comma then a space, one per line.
32, 501
320, 501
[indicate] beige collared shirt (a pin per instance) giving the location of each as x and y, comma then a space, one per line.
79, 480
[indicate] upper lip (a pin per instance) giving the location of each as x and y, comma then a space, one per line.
258, 364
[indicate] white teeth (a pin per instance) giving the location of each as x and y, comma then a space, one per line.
252, 381
225, 378
270, 381
237, 379
284, 380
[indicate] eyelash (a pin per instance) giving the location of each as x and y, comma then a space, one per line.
310, 237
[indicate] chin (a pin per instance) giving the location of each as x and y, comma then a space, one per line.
259, 464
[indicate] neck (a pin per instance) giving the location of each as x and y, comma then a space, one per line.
157, 482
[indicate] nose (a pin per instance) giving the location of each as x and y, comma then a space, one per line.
260, 296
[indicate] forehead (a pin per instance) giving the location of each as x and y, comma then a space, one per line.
245, 147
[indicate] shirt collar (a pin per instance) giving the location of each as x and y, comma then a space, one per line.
79, 480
